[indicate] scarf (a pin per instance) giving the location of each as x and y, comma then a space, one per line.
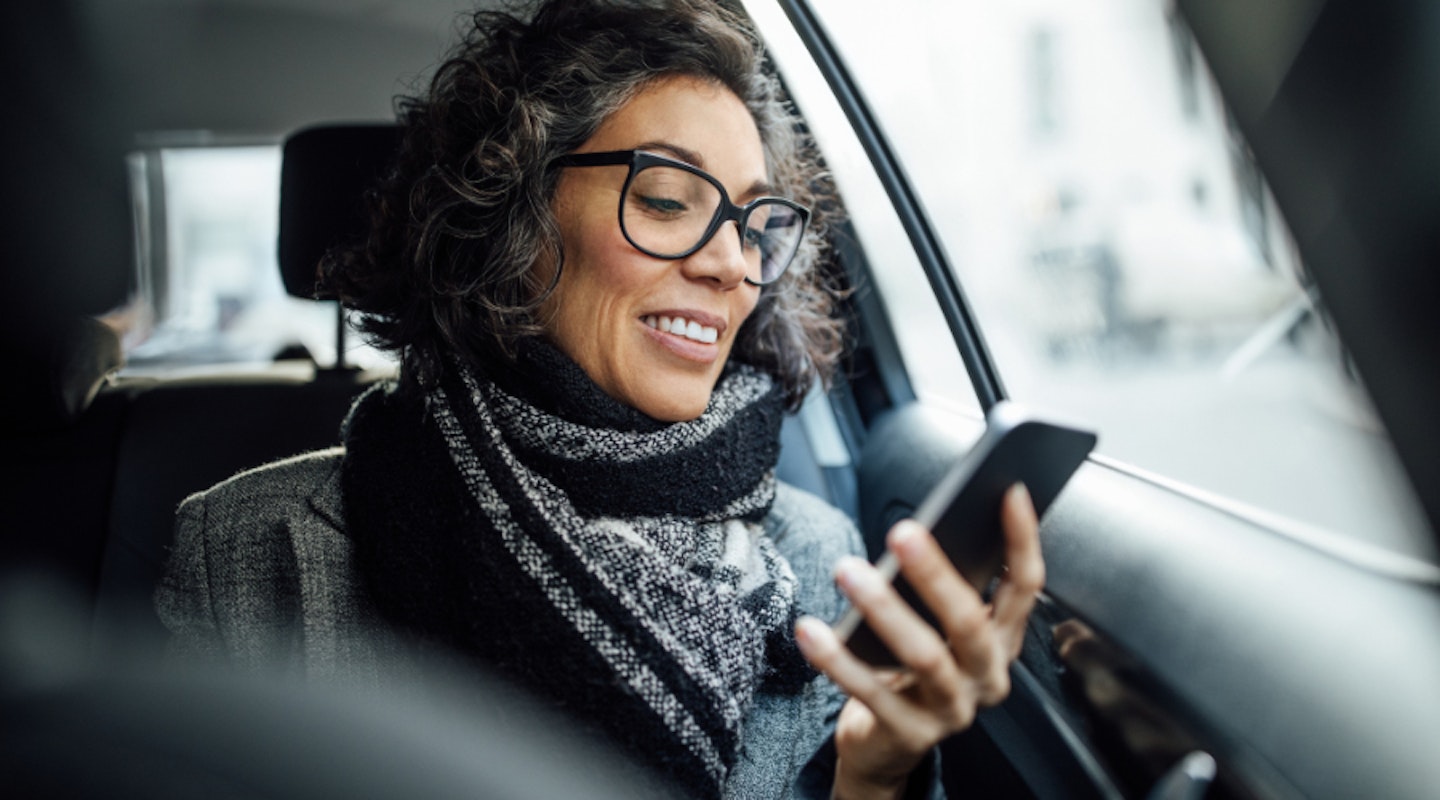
607, 562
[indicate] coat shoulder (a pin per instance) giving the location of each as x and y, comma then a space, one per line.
273, 492
261, 570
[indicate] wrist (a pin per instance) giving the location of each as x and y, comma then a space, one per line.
852, 786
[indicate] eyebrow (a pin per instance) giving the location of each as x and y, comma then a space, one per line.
757, 189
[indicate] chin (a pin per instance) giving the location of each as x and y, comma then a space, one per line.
673, 405
674, 412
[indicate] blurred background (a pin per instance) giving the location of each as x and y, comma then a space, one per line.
1124, 255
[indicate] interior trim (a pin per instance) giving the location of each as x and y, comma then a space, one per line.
1355, 552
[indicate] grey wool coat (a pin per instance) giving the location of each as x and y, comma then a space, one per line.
262, 577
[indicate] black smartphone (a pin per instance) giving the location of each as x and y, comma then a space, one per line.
963, 510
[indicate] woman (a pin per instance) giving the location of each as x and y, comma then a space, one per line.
594, 260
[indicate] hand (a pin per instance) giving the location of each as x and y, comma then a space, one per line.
894, 717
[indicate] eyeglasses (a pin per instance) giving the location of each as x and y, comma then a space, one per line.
670, 209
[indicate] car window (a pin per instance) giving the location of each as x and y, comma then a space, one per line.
208, 288
894, 275
1118, 244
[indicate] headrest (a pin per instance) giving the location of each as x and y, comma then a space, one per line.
324, 173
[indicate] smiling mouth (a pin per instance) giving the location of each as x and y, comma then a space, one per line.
679, 326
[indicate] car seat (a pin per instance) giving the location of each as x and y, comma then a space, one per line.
60, 444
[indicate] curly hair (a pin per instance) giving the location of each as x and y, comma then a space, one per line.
463, 217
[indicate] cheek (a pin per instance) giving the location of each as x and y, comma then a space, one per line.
597, 278
575, 257
608, 266
747, 301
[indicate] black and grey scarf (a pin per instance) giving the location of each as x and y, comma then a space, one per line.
608, 562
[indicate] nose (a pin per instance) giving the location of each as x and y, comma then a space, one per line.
721, 259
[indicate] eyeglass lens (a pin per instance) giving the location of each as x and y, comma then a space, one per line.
666, 212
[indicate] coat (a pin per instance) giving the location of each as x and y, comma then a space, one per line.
263, 576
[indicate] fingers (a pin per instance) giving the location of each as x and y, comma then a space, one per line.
976, 650
951, 671
913, 641
983, 639
911, 721
1025, 574
962, 614
826, 653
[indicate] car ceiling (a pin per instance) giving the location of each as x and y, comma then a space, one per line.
90, 80
261, 68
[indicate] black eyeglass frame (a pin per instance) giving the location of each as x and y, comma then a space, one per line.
638, 160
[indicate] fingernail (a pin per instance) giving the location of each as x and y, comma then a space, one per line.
811, 634
1020, 491
903, 537
856, 575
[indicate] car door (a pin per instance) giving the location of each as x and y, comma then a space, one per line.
1243, 593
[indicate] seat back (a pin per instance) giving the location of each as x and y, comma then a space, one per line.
181, 437
60, 448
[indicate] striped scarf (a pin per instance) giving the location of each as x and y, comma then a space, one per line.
614, 565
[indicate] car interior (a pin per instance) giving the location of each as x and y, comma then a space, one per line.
1186, 645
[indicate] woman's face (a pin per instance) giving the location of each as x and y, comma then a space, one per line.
606, 309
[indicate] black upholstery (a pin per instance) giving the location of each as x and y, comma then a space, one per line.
181, 437
60, 375
53, 503
323, 177
60, 450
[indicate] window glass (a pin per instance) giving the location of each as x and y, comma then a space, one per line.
1126, 261
895, 272
208, 286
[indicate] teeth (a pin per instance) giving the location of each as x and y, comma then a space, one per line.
679, 326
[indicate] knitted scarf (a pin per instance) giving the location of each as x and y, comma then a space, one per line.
607, 562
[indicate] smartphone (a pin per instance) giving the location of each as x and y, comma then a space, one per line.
963, 510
